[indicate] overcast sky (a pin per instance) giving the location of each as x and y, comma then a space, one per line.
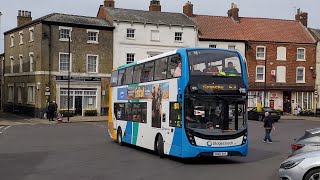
279, 9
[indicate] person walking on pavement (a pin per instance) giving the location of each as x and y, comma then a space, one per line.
268, 126
51, 111
55, 109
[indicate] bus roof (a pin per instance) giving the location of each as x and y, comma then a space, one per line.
164, 55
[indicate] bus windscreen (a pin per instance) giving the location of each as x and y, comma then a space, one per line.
214, 62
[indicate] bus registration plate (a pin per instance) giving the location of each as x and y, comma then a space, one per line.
220, 154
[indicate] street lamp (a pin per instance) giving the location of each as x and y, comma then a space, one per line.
69, 79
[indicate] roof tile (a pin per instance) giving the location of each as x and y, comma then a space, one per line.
252, 29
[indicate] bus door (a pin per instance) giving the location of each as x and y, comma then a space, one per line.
165, 128
173, 128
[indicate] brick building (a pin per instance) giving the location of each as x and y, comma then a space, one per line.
37, 62
281, 56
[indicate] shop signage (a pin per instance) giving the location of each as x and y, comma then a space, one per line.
73, 78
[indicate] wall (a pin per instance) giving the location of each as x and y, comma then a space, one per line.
240, 46
142, 45
291, 63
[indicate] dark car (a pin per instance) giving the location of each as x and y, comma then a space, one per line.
253, 114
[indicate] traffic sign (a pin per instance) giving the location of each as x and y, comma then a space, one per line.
47, 89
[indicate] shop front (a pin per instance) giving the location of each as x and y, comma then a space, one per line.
84, 94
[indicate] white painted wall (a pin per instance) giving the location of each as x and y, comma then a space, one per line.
240, 46
142, 45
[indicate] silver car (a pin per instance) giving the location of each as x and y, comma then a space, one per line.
304, 166
310, 141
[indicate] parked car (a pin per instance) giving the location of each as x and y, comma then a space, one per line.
253, 114
304, 166
310, 141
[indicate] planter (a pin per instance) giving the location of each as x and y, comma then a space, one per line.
64, 113
90, 112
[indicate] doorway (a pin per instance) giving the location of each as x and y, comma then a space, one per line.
78, 106
287, 102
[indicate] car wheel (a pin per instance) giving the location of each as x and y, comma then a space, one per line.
312, 175
260, 118
159, 147
119, 137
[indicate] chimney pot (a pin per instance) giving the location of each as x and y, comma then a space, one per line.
23, 17
155, 5
302, 17
109, 3
188, 9
234, 12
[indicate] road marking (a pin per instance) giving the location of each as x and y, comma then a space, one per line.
2, 129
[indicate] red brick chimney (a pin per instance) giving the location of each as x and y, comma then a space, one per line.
234, 12
109, 3
188, 9
302, 17
155, 5
24, 17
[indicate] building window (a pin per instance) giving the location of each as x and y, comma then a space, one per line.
305, 100
20, 37
11, 64
300, 75
64, 99
31, 61
31, 94
93, 36
281, 74
20, 94
20, 63
10, 93
301, 54
31, 33
130, 33
232, 47
155, 35
65, 32
260, 74
261, 53
178, 36
92, 63
65, 61
281, 53
130, 58
11, 40
212, 46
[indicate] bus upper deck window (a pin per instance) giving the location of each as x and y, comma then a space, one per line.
174, 66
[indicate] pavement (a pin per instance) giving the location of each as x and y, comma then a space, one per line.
9, 119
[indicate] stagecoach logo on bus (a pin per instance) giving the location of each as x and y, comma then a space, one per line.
219, 143
144, 91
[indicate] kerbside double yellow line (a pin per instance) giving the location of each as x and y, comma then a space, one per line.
3, 128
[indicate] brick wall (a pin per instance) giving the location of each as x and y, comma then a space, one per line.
291, 64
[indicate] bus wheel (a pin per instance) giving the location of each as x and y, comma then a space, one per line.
119, 137
160, 147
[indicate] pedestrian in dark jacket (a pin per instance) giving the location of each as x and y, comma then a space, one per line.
268, 126
51, 109
55, 109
